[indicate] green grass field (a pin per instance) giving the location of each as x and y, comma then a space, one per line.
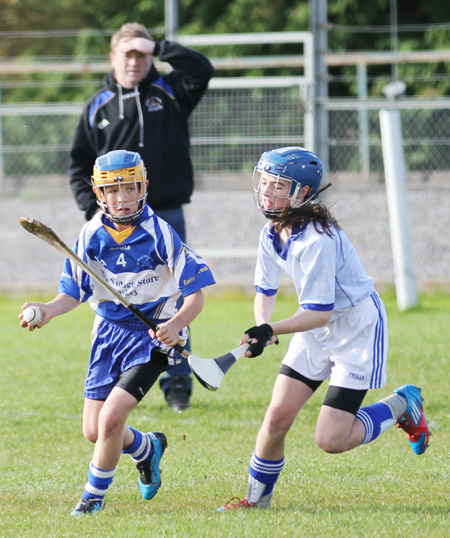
381, 489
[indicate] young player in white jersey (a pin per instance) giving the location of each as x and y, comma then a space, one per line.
339, 331
142, 257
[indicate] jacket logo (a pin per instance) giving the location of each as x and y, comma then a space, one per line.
153, 104
104, 123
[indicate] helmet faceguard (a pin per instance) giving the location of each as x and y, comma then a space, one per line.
294, 165
120, 168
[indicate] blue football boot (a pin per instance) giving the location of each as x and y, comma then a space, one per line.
149, 472
87, 506
413, 420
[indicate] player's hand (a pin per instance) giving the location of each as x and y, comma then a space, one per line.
137, 43
166, 334
260, 337
33, 325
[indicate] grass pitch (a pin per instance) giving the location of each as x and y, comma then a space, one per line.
381, 489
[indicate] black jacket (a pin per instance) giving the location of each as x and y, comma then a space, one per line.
151, 119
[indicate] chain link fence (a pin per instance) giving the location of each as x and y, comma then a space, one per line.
229, 130
355, 142
233, 124
237, 119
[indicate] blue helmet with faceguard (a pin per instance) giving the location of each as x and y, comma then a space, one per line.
120, 168
296, 165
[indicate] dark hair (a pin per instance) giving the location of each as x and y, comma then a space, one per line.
315, 212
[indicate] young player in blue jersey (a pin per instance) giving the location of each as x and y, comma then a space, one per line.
339, 331
142, 257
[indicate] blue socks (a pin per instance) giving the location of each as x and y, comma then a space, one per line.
265, 471
141, 449
376, 418
98, 482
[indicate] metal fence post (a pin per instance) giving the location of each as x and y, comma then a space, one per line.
2, 167
318, 20
363, 122
171, 19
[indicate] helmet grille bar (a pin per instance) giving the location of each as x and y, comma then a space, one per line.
120, 167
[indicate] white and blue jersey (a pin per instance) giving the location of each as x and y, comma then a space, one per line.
151, 267
147, 264
328, 276
326, 271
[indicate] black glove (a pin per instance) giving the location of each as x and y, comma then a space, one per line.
263, 333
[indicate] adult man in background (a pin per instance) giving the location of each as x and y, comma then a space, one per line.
140, 110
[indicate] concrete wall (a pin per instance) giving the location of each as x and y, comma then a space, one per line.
221, 221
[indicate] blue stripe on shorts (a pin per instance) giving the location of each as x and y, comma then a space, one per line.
378, 345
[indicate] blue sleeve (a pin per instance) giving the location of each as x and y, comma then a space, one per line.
196, 274
190, 271
318, 307
269, 293
73, 281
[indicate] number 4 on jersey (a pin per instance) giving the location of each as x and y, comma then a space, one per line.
121, 260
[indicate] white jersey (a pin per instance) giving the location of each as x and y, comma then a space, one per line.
148, 264
327, 272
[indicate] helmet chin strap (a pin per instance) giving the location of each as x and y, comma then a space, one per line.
320, 190
313, 197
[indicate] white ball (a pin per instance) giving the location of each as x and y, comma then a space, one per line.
32, 315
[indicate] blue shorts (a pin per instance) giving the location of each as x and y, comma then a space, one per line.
115, 348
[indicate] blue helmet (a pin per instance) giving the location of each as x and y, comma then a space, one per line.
118, 168
296, 165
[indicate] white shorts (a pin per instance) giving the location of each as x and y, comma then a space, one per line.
351, 350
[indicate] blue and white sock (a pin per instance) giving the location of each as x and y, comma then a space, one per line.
141, 449
265, 472
98, 482
376, 419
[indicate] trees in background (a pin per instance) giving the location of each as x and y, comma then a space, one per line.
71, 29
